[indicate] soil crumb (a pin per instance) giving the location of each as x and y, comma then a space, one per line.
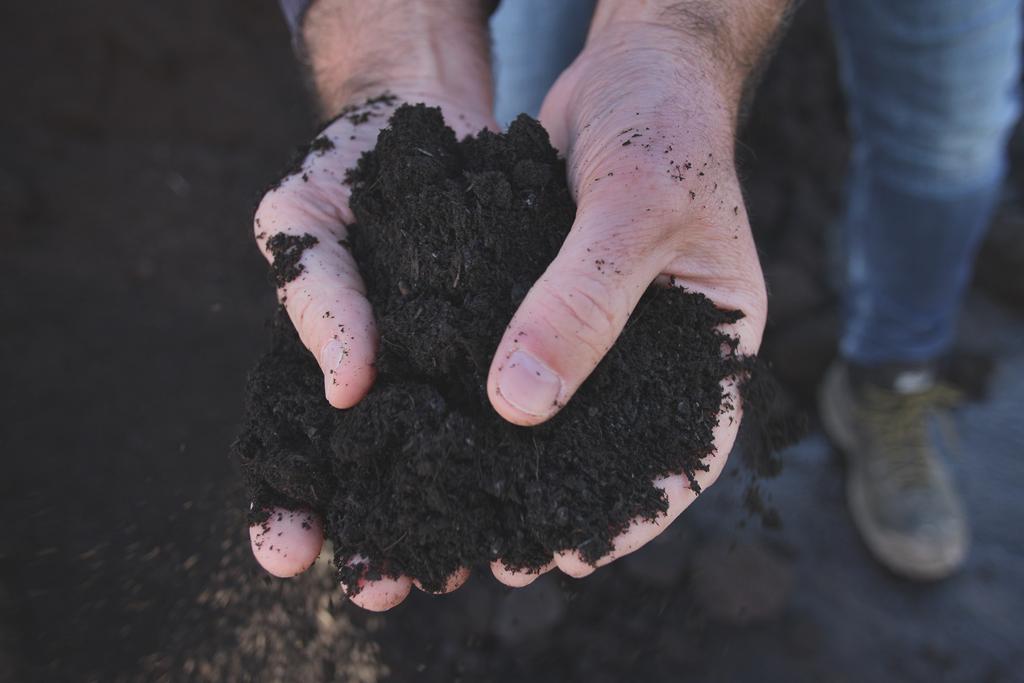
423, 477
321, 144
287, 251
358, 114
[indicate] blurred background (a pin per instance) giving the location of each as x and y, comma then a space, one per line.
133, 146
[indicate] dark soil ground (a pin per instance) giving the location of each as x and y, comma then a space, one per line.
134, 142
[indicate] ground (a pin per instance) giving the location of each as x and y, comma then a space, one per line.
135, 302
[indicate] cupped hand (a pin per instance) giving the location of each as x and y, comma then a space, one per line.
327, 305
648, 134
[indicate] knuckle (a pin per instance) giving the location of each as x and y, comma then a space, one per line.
303, 309
267, 218
585, 310
302, 207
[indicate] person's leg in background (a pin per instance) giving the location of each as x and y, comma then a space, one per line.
533, 42
933, 96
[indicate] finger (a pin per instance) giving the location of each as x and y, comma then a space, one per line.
517, 578
288, 542
574, 313
453, 582
381, 594
321, 290
384, 594
570, 563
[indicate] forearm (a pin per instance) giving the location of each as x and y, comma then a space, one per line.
726, 40
357, 49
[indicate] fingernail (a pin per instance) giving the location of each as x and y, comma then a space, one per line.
333, 353
529, 385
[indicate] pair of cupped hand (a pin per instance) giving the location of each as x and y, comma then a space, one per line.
651, 219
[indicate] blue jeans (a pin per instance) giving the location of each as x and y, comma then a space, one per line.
533, 42
933, 96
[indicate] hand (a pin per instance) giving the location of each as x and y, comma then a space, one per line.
359, 51
648, 130
650, 217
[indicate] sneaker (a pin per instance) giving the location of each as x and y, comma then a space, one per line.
899, 492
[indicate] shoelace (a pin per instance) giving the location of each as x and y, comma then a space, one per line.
899, 422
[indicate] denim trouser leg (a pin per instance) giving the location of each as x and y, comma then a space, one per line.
932, 86
534, 40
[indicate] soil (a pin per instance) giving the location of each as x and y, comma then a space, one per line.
423, 476
287, 251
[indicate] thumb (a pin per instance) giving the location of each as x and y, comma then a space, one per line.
572, 315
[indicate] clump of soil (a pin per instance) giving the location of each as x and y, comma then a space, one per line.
422, 476
287, 251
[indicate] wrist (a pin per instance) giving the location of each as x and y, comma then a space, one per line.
723, 40
641, 68
357, 50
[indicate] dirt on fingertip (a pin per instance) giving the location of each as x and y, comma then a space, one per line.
423, 477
